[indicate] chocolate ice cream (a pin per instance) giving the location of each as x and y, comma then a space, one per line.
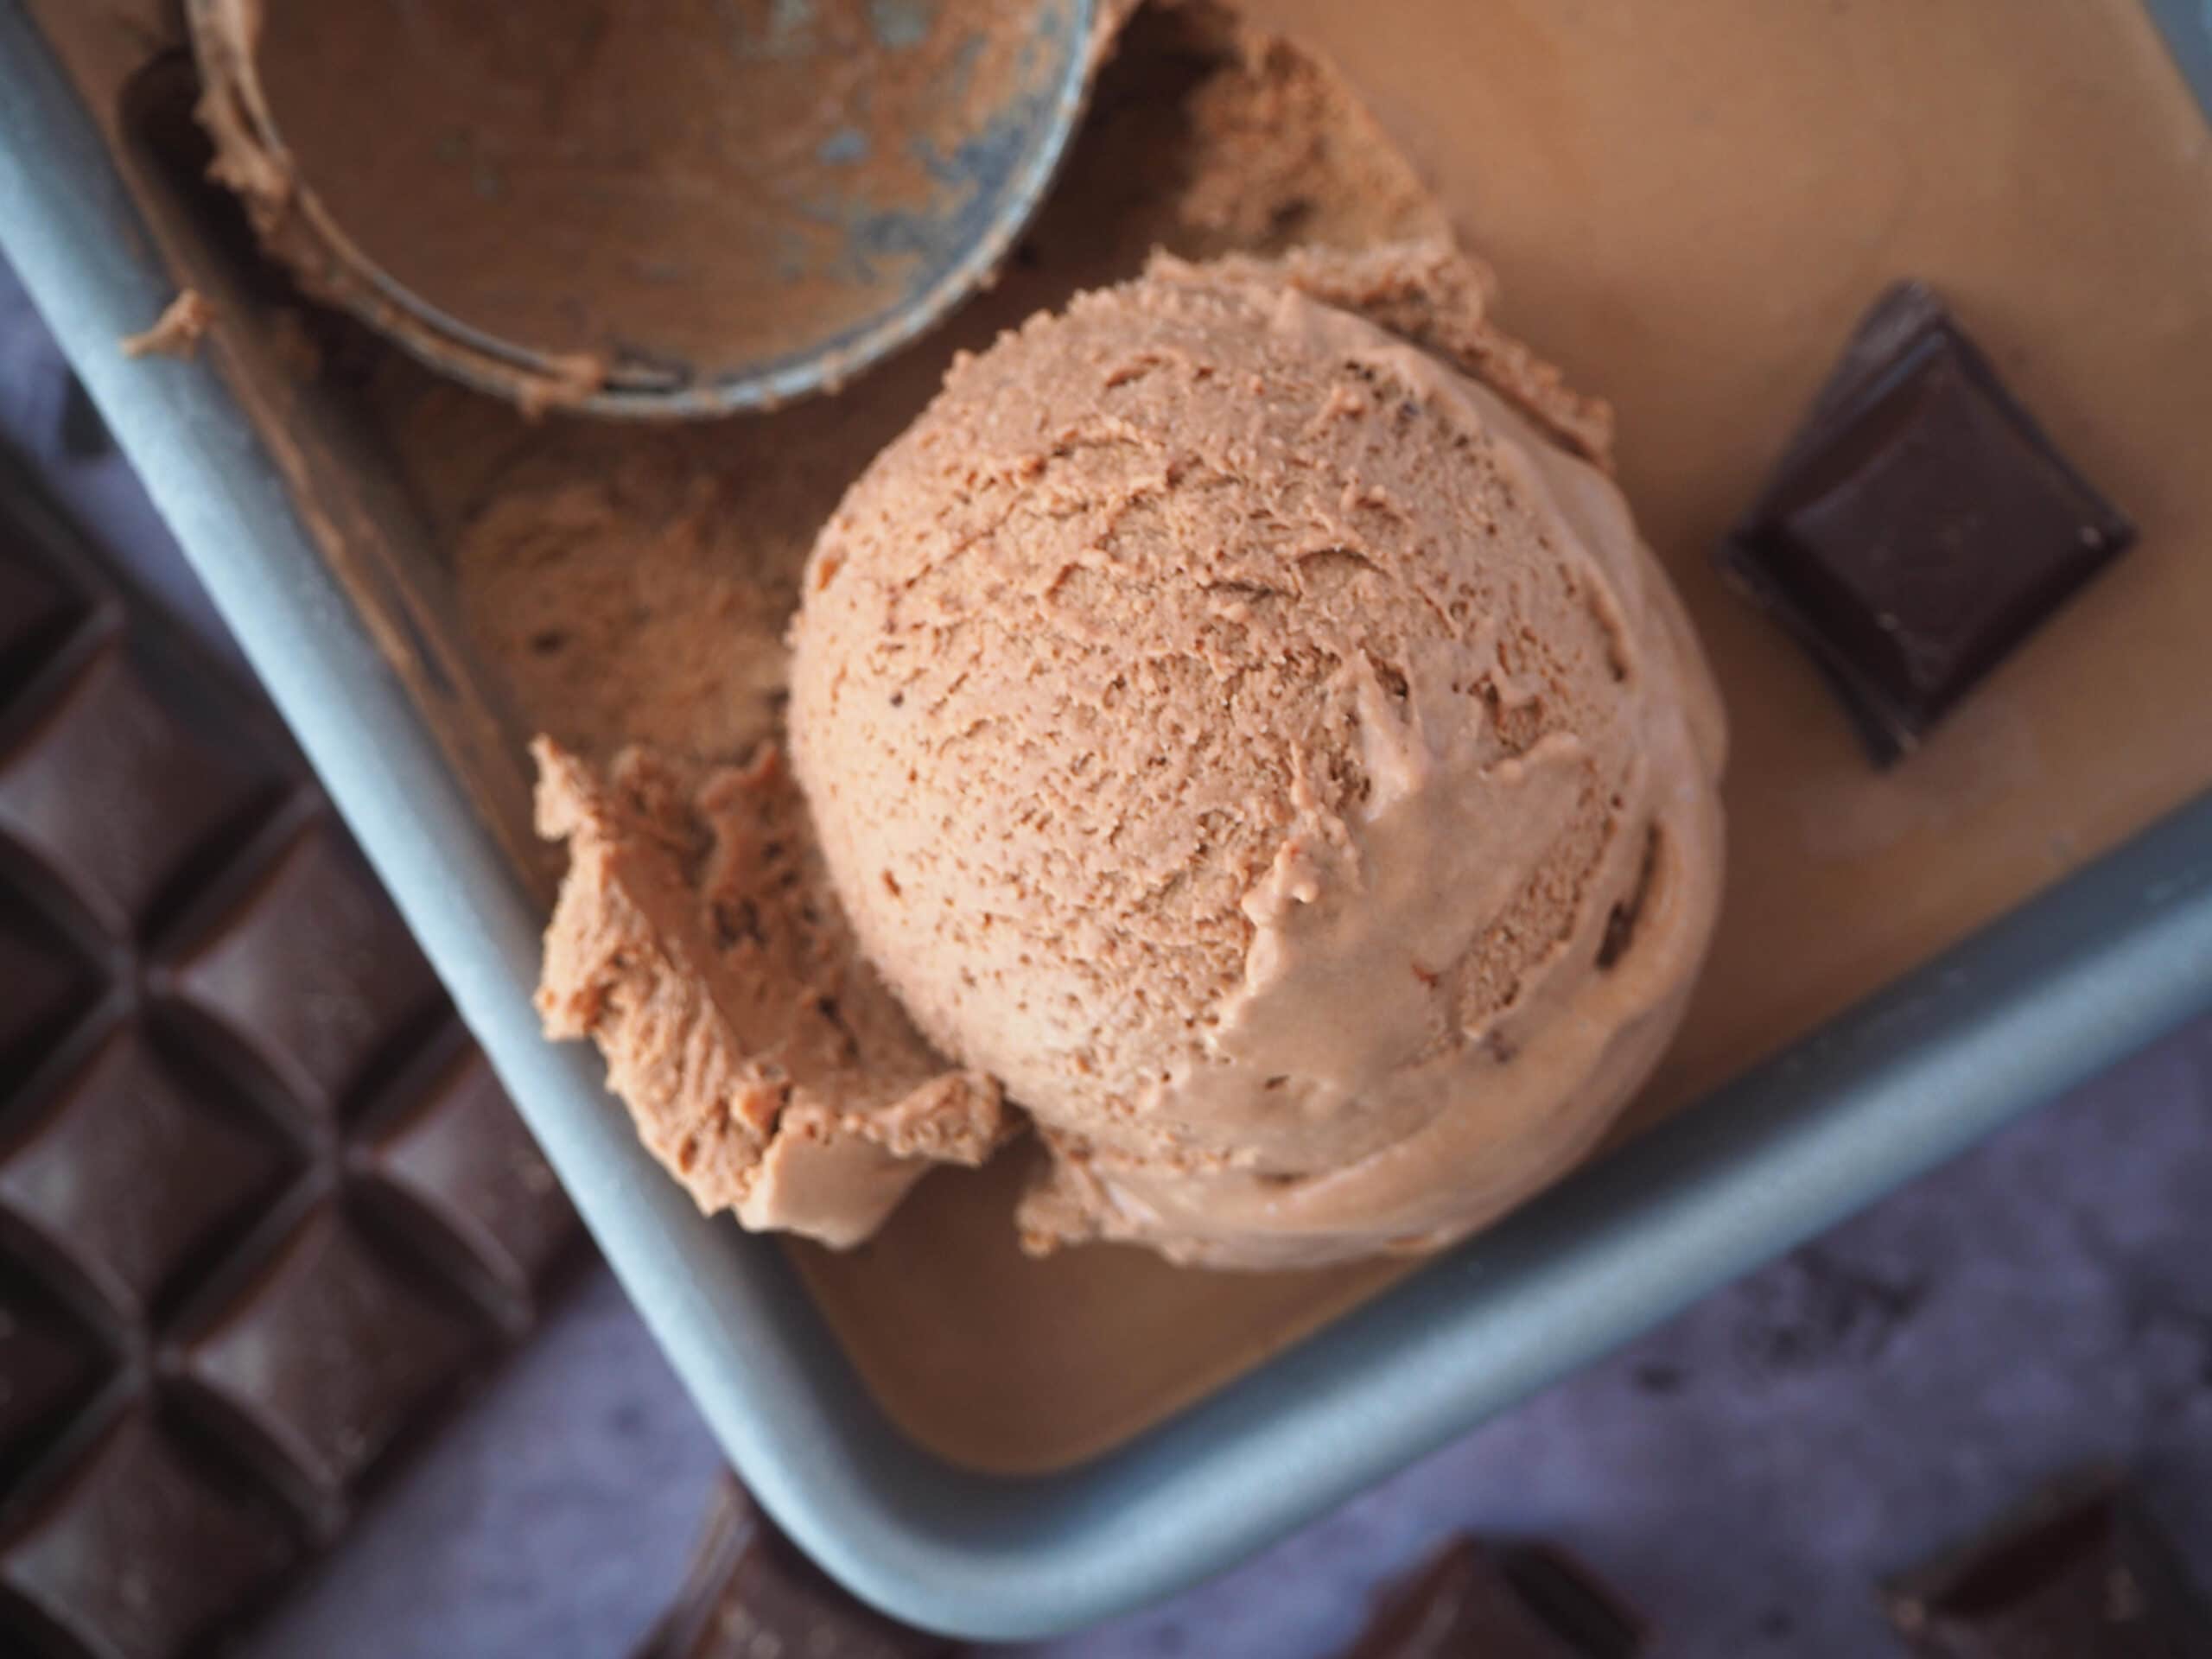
762, 1061
1267, 748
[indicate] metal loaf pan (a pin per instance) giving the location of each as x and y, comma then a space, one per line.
2042, 999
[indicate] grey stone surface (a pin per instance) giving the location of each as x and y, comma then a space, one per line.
555, 1517
1744, 1473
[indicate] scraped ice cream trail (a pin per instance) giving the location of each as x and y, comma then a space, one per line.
636, 586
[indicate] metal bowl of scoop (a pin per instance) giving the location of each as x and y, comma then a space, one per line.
651, 208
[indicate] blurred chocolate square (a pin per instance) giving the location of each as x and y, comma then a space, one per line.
750, 1592
1529, 1601
2080, 1572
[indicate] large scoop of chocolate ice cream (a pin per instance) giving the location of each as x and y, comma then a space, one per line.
1264, 745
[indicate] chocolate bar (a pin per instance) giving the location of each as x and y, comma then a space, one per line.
1920, 527
750, 1592
262, 1207
2079, 1573
1526, 1601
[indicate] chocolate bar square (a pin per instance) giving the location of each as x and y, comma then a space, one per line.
118, 796
126, 1123
1921, 525
143, 1549
51, 983
38, 609
478, 1187
327, 1355
52, 1365
750, 1592
1528, 1602
2079, 1573
311, 972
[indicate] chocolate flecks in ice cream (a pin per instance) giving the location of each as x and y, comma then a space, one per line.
1436, 297
1227, 1174
633, 585
1237, 730
762, 1061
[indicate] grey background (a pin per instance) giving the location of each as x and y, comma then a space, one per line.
1744, 1473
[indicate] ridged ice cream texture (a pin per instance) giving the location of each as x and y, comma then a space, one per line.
1260, 746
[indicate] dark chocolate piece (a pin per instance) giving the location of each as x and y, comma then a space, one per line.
37, 610
125, 1125
1920, 526
117, 796
2080, 1572
1527, 1602
310, 971
52, 1364
749, 1591
329, 1356
140, 1548
262, 1206
463, 1162
50, 984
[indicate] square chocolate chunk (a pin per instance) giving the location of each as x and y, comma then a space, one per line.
2079, 1573
750, 1592
1920, 526
1527, 1602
